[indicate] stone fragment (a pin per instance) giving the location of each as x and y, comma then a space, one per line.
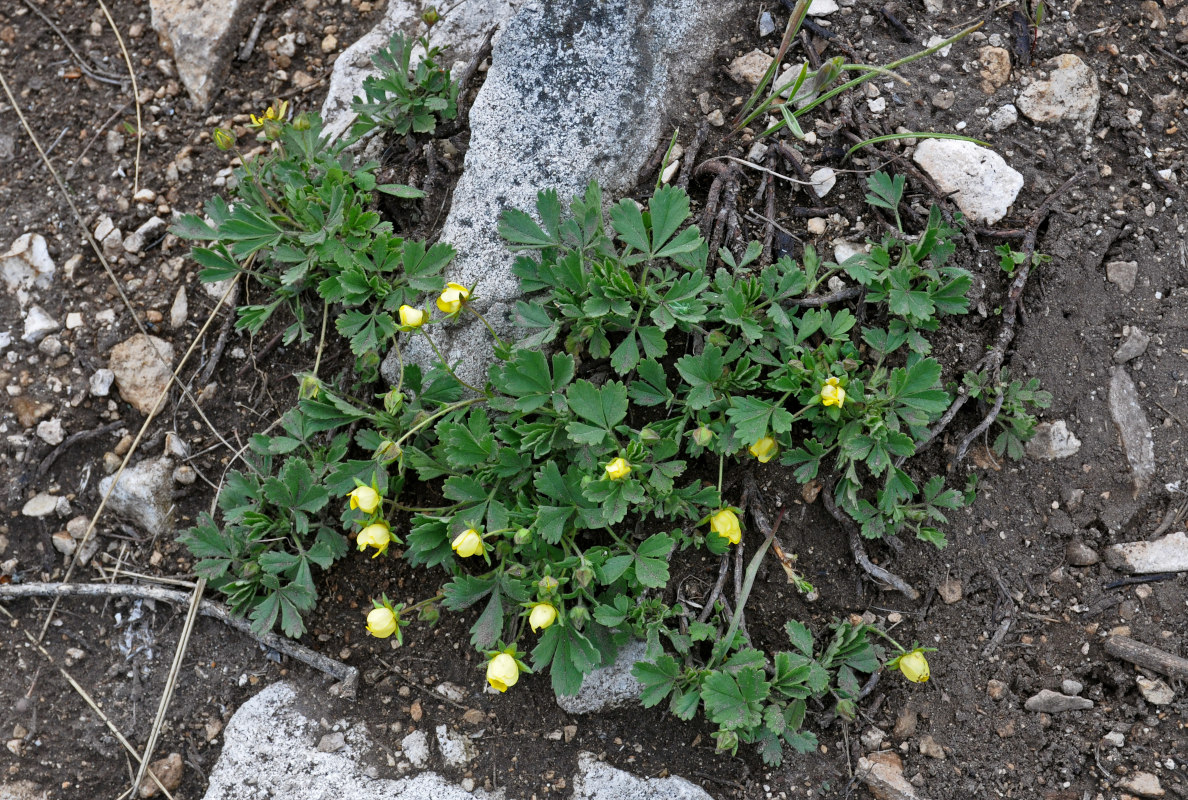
996, 689
748, 69
1079, 554
169, 771
1133, 429
716, 118
1114, 739
1003, 118
29, 410
1050, 702
822, 8
905, 723
50, 431
144, 495
41, 505
872, 737
474, 717
983, 185
1071, 687
1122, 274
597, 780
38, 325
180, 309
767, 25
1144, 784
572, 90
415, 747
332, 742
27, 264
1070, 94
950, 591
843, 250
100, 382
142, 366
200, 35
1155, 691
823, 181
996, 68
1168, 553
929, 747
456, 750
64, 543
1052, 440
882, 773
609, 687
152, 228
1134, 344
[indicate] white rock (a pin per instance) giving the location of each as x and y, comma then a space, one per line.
100, 383
934, 40
41, 505
983, 185
415, 747
142, 366
1003, 118
583, 59
670, 171
1051, 702
1053, 440
877, 105
749, 67
144, 495
757, 152
1133, 428
597, 780
1114, 739
103, 228
817, 225
1144, 784
180, 308
145, 195
64, 543
112, 244
767, 24
934, 7
73, 320
152, 227
1168, 553
38, 325
1070, 94
1133, 345
1156, 692
27, 264
883, 774
1122, 274
201, 37
610, 687
823, 181
843, 250
218, 289
50, 431
822, 8
456, 750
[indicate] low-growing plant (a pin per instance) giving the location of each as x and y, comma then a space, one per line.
1010, 259
402, 98
1015, 423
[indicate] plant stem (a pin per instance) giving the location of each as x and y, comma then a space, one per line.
748, 582
322, 339
446, 363
438, 415
490, 330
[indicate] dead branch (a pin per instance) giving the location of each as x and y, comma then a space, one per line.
348, 675
72, 440
859, 552
1146, 656
690, 155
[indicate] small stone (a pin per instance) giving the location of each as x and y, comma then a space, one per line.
415, 711
1050, 702
416, 749
1168, 553
1003, 118
982, 183
1144, 784
180, 309
329, 44
944, 99
1053, 440
185, 475
569, 733
169, 772
670, 171
99, 383
996, 67
456, 750
73, 320
608, 687
29, 410
1079, 554
50, 346
929, 747
905, 724
114, 142
950, 591
1133, 345
50, 431
1114, 739
64, 543
38, 325
1006, 728
715, 118
474, 717
146, 233
996, 689
767, 25
142, 366
144, 495
877, 105
332, 742
843, 251
1122, 274
749, 68
1072, 687
467, 784
1133, 429
821, 8
27, 264
757, 152
451, 691
882, 773
42, 505
1070, 94
873, 737
816, 225
144, 196
1155, 691
823, 181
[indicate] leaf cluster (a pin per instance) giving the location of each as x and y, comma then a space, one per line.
402, 98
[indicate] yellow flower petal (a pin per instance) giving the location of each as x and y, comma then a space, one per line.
542, 616
468, 543
914, 666
503, 672
365, 499
618, 469
725, 524
381, 622
764, 449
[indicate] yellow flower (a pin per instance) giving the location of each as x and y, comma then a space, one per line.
832, 394
469, 543
618, 469
503, 672
764, 449
381, 622
275, 113
376, 535
543, 615
364, 498
725, 524
452, 298
223, 138
412, 318
914, 666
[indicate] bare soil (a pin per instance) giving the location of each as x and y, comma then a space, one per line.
1008, 550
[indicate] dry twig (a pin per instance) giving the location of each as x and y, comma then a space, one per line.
859, 552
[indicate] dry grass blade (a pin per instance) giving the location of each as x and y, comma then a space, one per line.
135, 95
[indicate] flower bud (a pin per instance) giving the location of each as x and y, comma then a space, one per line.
502, 672
376, 535
302, 122
223, 138
381, 622
764, 449
429, 614
469, 543
523, 536
725, 524
618, 469
702, 436
578, 616
311, 387
542, 616
393, 401
547, 585
584, 576
387, 451
430, 16
365, 499
914, 666
452, 298
412, 318
648, 435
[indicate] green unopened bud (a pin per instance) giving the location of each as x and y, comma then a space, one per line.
849, 364
272, 129
718, 338
579, 616
430, 17
523, 536
302, 122
387, 451
430, 614
584, 576
223, 138
311, 387
394, 401
548, 584
702, 436
649, 435
727, 741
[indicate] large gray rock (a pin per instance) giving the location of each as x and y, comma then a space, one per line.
576, 91
982, 184
596, 780
462, 29
612, 686
1165, 554
143, 495
201, 36
1070, 94
1133, 429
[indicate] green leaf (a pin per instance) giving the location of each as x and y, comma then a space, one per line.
651, 565
628, 222
658, 679
735, 701
800, 636
702, 372
571, 655
488, 628
401, 191
466, 590
604, 406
